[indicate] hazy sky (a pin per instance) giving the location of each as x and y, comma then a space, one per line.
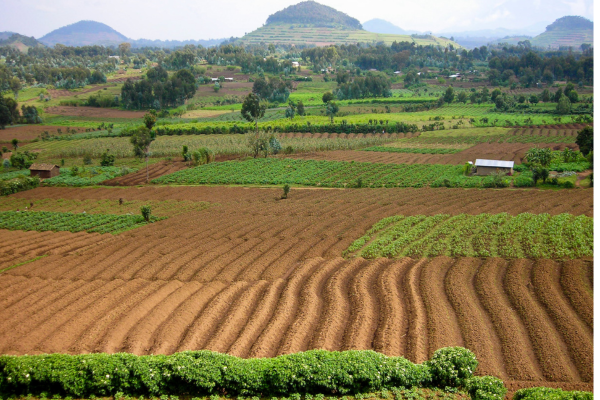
200, 19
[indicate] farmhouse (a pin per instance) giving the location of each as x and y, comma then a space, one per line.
44, 171
214, 79
295, 64
486, 167
228, 79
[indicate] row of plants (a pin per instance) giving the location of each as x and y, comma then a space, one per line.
484, 235
269, 171
412, 150
59, 221
194, 373
75, 176
475, 139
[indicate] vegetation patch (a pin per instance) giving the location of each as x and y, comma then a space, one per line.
58, 221
209, 373
544, 393
485, 235
340, 174
412, 150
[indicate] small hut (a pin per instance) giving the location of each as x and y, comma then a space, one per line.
486, 167
44, 171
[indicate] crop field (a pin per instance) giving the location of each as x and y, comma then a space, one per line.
170, 146
411, 150
316, 173
257, 276
483, 235
490, 151
42, 221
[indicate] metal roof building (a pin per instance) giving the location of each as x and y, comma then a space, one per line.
486, 167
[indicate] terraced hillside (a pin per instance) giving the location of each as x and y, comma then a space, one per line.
322, 36
257, 276
559, 38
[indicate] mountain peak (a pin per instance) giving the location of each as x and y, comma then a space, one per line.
84, 33
311, 12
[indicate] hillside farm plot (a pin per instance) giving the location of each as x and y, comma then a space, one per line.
316, 173
491, 151
93, 112
484, 235
42, 221
258, 276
25, 133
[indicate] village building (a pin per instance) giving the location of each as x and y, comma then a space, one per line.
487, 167
44, 171
228, 79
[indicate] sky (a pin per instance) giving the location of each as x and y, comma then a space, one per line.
201, 19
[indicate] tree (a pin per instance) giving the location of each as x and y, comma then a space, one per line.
15, 143
327, 97
253, 109
141, 140
449, 95
573, 96
300, 108
290, 111
332, 109
564, 105
545, 95
5, 115
124, 48
533, 99
15, 86
258, 143
541, 156
150, 119
522, 99
585, 140
462, 97
495, 93
557, 95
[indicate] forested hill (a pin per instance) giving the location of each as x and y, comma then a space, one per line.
569, 31
569, 23
19, 41
311, 12
84, 33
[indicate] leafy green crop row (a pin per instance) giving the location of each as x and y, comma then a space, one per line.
89, 176
485, 235
271, 171
204, 372
542, 393
412, 150
57, 221
475, 139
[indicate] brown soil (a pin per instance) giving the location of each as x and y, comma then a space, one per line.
257, 276
93, 112
495, 151
154, 171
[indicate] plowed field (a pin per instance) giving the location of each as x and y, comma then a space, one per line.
256, 276
490, 151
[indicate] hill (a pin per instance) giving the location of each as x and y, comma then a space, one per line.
311, 12
569, 31
382, 26
84, 33
18, 41
311, 23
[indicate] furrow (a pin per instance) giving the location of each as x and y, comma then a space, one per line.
572, 280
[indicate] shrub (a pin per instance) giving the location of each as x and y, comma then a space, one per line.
486, 387
542, 393
87, 160
286, 190
107, 160
568, 185
18, 184
146, 212
452, 366
523, 181
288, 150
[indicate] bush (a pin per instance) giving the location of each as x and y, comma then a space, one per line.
286, 190
452, 366
205, 373
568, 184
542, 393
486, 387
107, 160
18, 185
288, 150
523, 181
146, 212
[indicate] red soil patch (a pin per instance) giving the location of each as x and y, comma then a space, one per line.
258, 276
494, 151
94, 112
154, 171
